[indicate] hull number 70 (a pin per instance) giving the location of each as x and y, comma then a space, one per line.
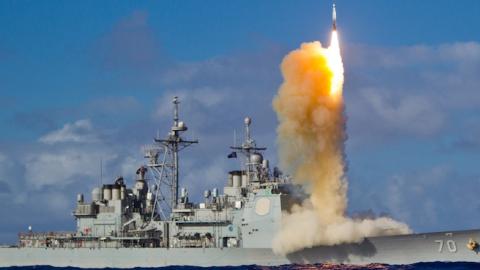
451, 245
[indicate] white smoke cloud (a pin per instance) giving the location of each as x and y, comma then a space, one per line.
311, 139
304, 228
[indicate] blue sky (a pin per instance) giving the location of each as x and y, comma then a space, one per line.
82, 81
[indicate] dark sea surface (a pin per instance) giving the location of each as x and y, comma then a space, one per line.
423, 266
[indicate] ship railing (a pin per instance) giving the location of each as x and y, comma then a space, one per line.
43, 235
49, 240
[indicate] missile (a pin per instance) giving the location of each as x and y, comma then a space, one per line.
334, 18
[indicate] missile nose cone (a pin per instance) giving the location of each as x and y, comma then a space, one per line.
334, 18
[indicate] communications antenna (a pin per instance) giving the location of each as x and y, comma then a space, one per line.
166, 171
248, 148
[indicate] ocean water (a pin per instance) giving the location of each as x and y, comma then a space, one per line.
419, 266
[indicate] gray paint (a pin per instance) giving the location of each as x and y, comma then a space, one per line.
404, 249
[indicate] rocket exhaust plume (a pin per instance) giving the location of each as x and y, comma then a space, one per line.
311, 136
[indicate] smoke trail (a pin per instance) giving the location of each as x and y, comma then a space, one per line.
311, 136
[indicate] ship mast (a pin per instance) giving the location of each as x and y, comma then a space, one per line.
175, 143
170, 146
248, 148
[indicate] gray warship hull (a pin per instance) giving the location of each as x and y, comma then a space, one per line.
404, 249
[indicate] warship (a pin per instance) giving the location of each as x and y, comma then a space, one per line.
154, 223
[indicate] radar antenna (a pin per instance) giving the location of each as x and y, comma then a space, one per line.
248, 148
166, 171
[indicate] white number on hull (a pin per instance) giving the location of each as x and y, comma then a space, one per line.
451, 245
440, 245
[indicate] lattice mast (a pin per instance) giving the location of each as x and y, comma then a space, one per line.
170, 147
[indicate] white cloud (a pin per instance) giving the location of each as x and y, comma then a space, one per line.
5, 163
364, 56
199, 175
461, 52
130, 44
181, 73
413, 90
196, 98
3, 158
129, 165
436, 197
406, 113
60, 168
6, 173
81, 131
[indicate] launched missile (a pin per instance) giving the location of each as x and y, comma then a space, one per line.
334, 18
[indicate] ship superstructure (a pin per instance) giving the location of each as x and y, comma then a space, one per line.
157, 213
